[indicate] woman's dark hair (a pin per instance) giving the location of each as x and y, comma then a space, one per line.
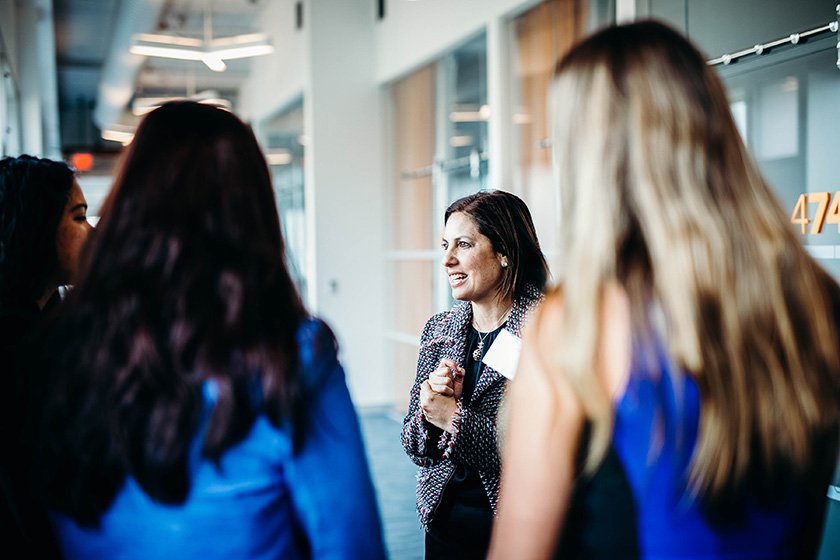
505, 219
183, 282
33, 195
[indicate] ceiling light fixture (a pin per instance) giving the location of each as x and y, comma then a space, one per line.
470, 113
461, 141
210, 51
119, 133
278, 157
142, 105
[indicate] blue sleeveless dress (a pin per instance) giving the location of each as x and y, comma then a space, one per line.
637, 504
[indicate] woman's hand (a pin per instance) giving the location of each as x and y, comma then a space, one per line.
437, 408
447, 379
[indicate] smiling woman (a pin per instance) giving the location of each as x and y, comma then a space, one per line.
473, 267
497, 271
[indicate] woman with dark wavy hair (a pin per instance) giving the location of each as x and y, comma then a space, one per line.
195, 410
43, 225
497, 271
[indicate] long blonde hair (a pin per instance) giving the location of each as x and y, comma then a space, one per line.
659, 193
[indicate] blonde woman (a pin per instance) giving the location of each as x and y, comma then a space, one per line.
678, 393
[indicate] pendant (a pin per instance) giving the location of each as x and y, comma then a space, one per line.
477, 351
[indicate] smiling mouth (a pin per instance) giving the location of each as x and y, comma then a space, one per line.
456, 279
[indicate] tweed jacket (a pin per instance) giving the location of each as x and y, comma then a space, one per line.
473, 438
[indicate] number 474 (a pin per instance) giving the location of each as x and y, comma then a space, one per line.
825, 213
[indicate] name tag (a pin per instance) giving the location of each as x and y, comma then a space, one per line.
503, 354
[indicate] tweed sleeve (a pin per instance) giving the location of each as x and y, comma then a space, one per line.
419, 438
473, 440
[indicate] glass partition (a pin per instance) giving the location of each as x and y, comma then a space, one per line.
462, 148
439, 136
284, 141
787, 110
543, 35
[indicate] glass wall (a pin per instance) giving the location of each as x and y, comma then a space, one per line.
726, 26
542, 35
463, 98
439, 133
784, 101
284, 141
787, 110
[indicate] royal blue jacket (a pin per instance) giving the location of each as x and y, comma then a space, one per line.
263, 501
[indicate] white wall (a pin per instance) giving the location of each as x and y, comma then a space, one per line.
8, 34
331, 62
38, 89
416, 32
625, 11
411, 34
345, 187
28, 36
278, 78
30, 93
9, 109
342, 61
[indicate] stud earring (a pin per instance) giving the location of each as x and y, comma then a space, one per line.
504, 263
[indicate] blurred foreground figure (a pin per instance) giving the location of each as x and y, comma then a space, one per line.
43, 226
678, 392
193, 409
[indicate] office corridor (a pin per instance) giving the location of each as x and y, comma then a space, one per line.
394, 477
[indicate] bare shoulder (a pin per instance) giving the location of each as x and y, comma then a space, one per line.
545, 328
544, 338
539, 365
614, 340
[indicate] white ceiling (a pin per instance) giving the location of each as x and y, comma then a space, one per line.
90, 36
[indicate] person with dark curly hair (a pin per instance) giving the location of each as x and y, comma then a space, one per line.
43, 225
194, 407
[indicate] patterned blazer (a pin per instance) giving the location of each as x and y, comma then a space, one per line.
473, 438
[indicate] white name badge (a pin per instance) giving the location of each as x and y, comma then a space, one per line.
503, 354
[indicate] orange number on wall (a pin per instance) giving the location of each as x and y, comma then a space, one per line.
821, 198
833, 216
800, 213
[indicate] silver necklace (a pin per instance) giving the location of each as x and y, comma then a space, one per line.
480, 346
